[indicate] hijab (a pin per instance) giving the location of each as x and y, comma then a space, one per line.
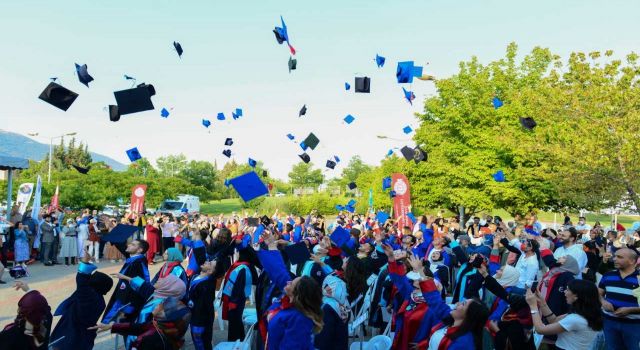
334, 294
169, 286
33, 311
510, 276
173, 254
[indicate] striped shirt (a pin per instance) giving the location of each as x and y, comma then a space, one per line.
619, 291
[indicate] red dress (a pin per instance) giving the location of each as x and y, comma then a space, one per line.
153, 238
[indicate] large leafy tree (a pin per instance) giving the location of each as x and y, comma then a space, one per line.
303, 175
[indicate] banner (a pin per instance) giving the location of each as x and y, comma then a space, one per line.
37, 200
402, 200
137, 198
24, 196
55, 202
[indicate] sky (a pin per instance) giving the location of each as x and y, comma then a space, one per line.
232, 60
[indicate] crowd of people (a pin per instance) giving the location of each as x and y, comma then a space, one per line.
433, 284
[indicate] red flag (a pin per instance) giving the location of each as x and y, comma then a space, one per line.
55, 200
137, 198
402, 200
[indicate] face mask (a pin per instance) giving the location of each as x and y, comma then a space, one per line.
523, 247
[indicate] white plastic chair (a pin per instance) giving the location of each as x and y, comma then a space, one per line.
217, 306
249, 317
379, 342
238, 345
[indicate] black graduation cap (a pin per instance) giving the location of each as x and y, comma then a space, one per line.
331, 164
178, 48
311, 141
303, 111
264, 173
407, 152
81, 170
227, 152
58, 96
83, 74
114, 115
528, 123
363, 84
228, 141
253, 222
352, 185
419, 155
292, 63
305, 157
120, 233
135, 100
297, 253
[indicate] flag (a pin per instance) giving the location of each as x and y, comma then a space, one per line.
36, 211
54, 200
24, 196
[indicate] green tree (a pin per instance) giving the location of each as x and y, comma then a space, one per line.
302, 175
353, 170
171, 165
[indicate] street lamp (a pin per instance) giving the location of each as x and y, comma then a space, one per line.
383, 137
51, 151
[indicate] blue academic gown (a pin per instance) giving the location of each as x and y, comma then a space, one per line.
135, 266
288, 329
79, 311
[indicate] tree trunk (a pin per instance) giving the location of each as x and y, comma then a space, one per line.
633, 195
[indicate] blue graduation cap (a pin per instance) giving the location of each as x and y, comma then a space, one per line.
227, 153
412, 217
252, 163
227, 183
392, 194
120, 233
228, 141
347, 86
283, 36
133, 154
352, 203
389, 153
206, 123
499, 176
83, 74
497, 103
337, 159
220, 116
164, 113
350, 208
339, 207
380, 61
257, 233
386, 183
249, 186
291, 137
349, 119
303, 146
409, 96
178, 47
407, 129
340, 236
297, 253
406, 71
382, 217
237, 114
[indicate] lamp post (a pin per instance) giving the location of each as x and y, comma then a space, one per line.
383, 137
51, 150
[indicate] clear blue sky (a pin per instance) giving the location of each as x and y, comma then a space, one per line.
231, 60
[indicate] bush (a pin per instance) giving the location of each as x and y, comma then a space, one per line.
323, 202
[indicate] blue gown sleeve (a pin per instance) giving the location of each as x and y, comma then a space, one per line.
274, 266
431, 295
397, 275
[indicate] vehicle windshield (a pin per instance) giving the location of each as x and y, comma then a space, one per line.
171, 205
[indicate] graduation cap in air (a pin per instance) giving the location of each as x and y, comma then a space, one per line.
228, 141
53, 79
133, 154
349, 119
265, 173
237, 114
220, 116
303, 146
407, 129
305, 157
134, 100
409, 96
128, 77
352, 185
347, 86
497, 103
419, 155
331, 164
389, 153
252, 163
283, 36
363, 84
114, 115
339, 207
337, 159
380, 61
297, 253
340, 236
311, 141
352, 203
392, 194
227, 183
227, 153
249, 186
290, 136
499, 176
528, 123
120, 233
58, 96
382, 217
164, 113
303, 111
386, 183
206, 123
178, 47
83, 74
407, 152
406, 71
81, 170
293, 63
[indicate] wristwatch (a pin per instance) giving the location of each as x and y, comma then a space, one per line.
533, 312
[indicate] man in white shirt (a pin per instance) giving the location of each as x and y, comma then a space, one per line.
169, 229
568, 238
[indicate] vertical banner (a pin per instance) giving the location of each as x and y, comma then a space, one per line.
24, 196
37, 200
137, 198
55, 201
402, 200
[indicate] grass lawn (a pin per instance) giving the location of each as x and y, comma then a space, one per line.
225, 206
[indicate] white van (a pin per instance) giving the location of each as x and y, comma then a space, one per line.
184, 204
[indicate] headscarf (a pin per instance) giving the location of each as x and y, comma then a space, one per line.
34, 309
101, 282
175, 321
169, 286
174, 254
334, 294
570, 265
510, 276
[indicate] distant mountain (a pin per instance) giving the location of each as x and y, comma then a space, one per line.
16, 145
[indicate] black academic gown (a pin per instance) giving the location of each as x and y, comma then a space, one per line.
124, 294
